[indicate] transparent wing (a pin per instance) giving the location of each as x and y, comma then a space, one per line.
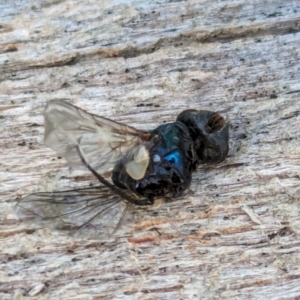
102, 141
95, 207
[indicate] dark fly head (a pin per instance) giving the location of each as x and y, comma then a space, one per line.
209, 132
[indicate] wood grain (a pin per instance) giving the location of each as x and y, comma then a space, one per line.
236, 234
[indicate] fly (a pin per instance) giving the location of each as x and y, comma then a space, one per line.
134, 166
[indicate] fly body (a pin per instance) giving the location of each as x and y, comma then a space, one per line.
142, 165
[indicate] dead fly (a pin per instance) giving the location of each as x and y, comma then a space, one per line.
142, 165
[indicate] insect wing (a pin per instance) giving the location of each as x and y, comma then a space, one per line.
95, 207
102, 141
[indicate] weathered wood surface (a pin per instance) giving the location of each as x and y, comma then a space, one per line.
237, 236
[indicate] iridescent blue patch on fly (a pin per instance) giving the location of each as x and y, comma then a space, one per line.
168, 147
170, 136
175, 159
